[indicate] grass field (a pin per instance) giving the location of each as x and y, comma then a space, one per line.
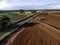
13, 16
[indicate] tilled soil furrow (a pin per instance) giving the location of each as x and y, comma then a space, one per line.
38, 34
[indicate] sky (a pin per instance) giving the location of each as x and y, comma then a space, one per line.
29, 4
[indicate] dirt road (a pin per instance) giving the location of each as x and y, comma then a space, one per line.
36, 33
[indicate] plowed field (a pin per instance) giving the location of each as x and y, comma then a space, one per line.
36, 33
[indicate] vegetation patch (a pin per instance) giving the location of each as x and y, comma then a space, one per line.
13, 16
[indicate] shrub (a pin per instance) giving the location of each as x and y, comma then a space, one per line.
4, 21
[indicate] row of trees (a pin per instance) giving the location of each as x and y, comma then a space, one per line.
23, 11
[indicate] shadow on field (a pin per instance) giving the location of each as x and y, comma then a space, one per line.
30, 24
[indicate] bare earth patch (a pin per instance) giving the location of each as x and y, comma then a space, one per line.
36, 33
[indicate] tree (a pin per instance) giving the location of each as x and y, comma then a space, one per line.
22, 12
33, 11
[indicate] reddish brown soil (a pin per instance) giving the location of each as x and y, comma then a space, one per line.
36, 33
51, 19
